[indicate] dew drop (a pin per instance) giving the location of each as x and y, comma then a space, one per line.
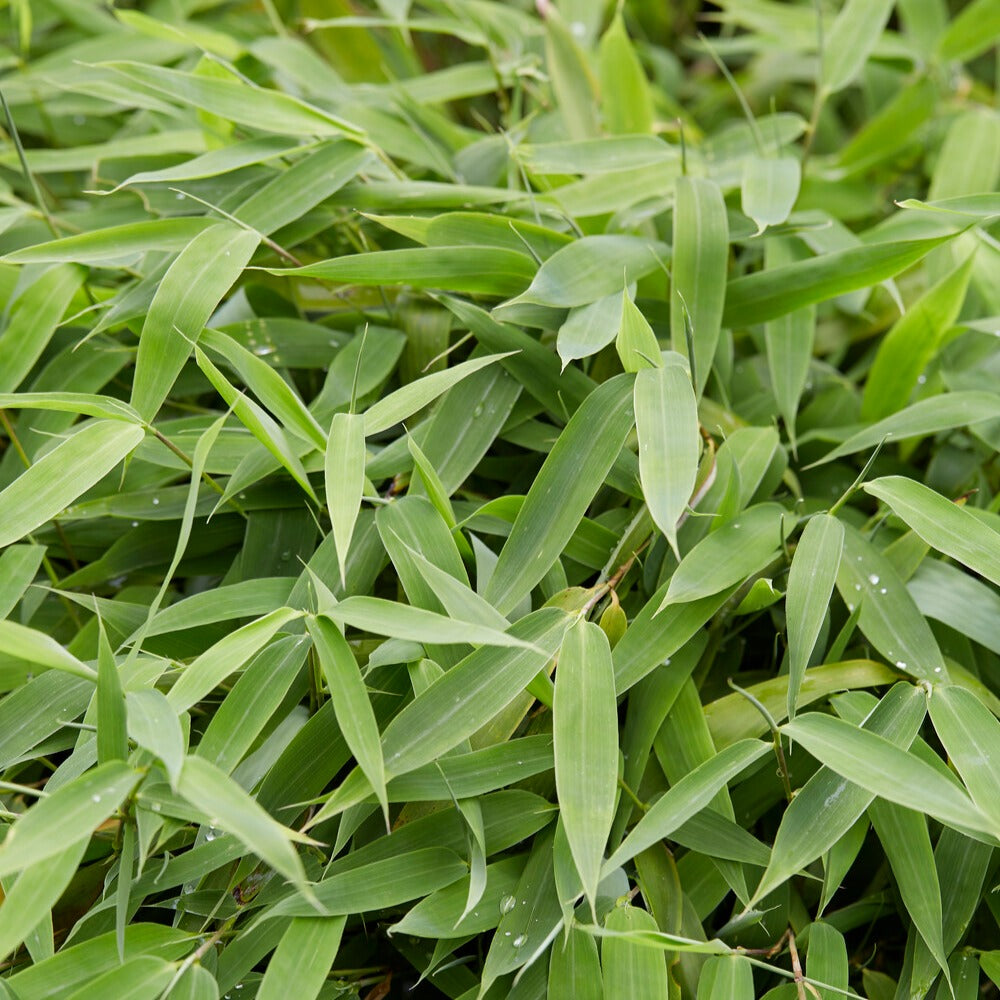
156, 501
478, 411
286, 555
520, 940
135, 524
95, 798
873, 578
226, 254
857, 586
884, 590
507, 904
922, 379
263, 350
900, 664
578, 29
506, 933
937, 670
179, 196
156, 807
737, 524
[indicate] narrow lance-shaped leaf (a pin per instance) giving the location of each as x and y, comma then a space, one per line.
855, 32
907, 845
928, 416
770, 187
573, 471
481, 270
666, 421
800, 839
231, 809
235, 101
969, 732
728, 555
766, 295
36, 647
303, 958
56, 822
811, 580
636, 343
210, 669
258, 422
112, 735
946, 526
689, 796
889, 772
154, 726
909, 346
190, 290
344, 473
351, 704
585, 729
889, 616
63, 474
34, 316
36, 891
414, 396
701, 253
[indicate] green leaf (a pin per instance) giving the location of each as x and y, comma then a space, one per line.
63, 474
344, 475
350, 703
234, 100
907, 845
631, 968
766, 295
34, 316
36, 647
666, 422
58, 820
209, 670
303, 958
626, 98
889, 617
698, 287
574, 470
378, 885
811, 578
928, 416
575, 968
728, 555
216, 795
877, 765
580, 273
947, 527
154, 726
585, 730
414, 396
110, 246
187, 295
770, 188
636, 343
800, 839
36, 891
727, 977
687, 798
968, 731
912, 342
402, 621
855, 32
482, 270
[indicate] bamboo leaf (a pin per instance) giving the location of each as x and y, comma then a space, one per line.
585, 729
63, 474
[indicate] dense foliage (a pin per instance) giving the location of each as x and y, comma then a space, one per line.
500, 500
